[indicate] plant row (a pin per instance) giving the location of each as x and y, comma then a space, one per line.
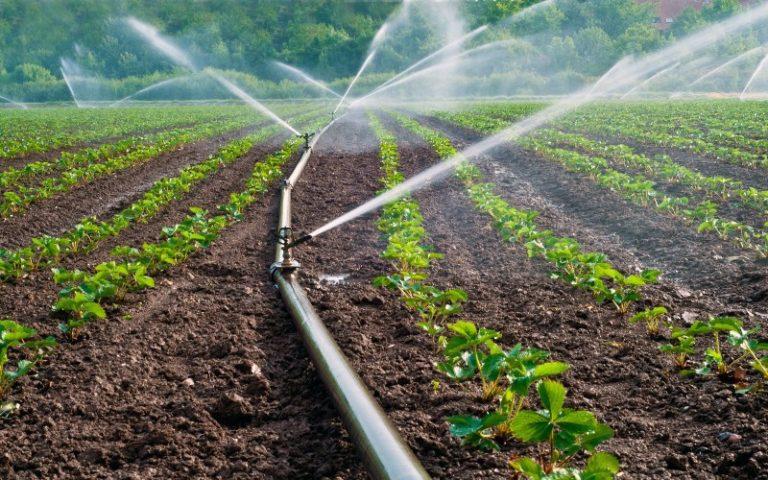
20, 349
641, 191
638, 188
590, 271
84, 294
85, 156
730, 348
664, 168
16, 202
49, 250
703, 125
41, 130
471, 353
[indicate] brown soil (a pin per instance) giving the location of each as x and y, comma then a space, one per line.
119, 402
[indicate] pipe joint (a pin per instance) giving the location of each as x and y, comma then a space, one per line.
288, 263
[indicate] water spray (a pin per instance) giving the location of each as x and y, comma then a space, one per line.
240, 93
14, 102
650, 79
758, 70
354, 80
432, 55
150, 88
727, 64
69, 85
304, 76
629, 72
160, 43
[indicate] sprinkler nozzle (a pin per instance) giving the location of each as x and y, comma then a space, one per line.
306, 138
285, 238
299, 241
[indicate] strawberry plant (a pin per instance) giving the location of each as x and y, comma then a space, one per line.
18, 341
681, 349
652, 318
562, 434
747, 349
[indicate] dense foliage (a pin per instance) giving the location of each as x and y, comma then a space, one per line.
327, 37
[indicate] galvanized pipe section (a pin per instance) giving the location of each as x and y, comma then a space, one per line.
386, 455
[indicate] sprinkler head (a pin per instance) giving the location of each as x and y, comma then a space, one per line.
306, 138
285, 238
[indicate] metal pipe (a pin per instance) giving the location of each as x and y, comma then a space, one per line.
386, 455
384, 452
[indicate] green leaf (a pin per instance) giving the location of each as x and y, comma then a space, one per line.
94, 309
601, 466
464, 328
725, 324
22, 369
529, 426
463, 425
528, 467
549, 369
552, 396
600, 434
576, 422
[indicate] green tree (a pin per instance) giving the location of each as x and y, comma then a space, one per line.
688, 21
30, 72
640, 38
595, 49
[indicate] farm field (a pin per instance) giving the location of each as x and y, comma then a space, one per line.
192, 367
401, 240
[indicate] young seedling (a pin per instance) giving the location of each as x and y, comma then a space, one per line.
522, 369
562, 434
466, 353
652, 318
747, 347
476, 432
625, 289
680, 350
16, 337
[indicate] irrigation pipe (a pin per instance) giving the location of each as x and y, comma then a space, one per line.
385, 454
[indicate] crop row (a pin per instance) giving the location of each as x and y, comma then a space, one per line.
641, 191
728, 359
49, 250
734, 124
472, 353
664, 168
638, 188
131, 270
627, 128
590, 271
16, 202
10, 178
45, 129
